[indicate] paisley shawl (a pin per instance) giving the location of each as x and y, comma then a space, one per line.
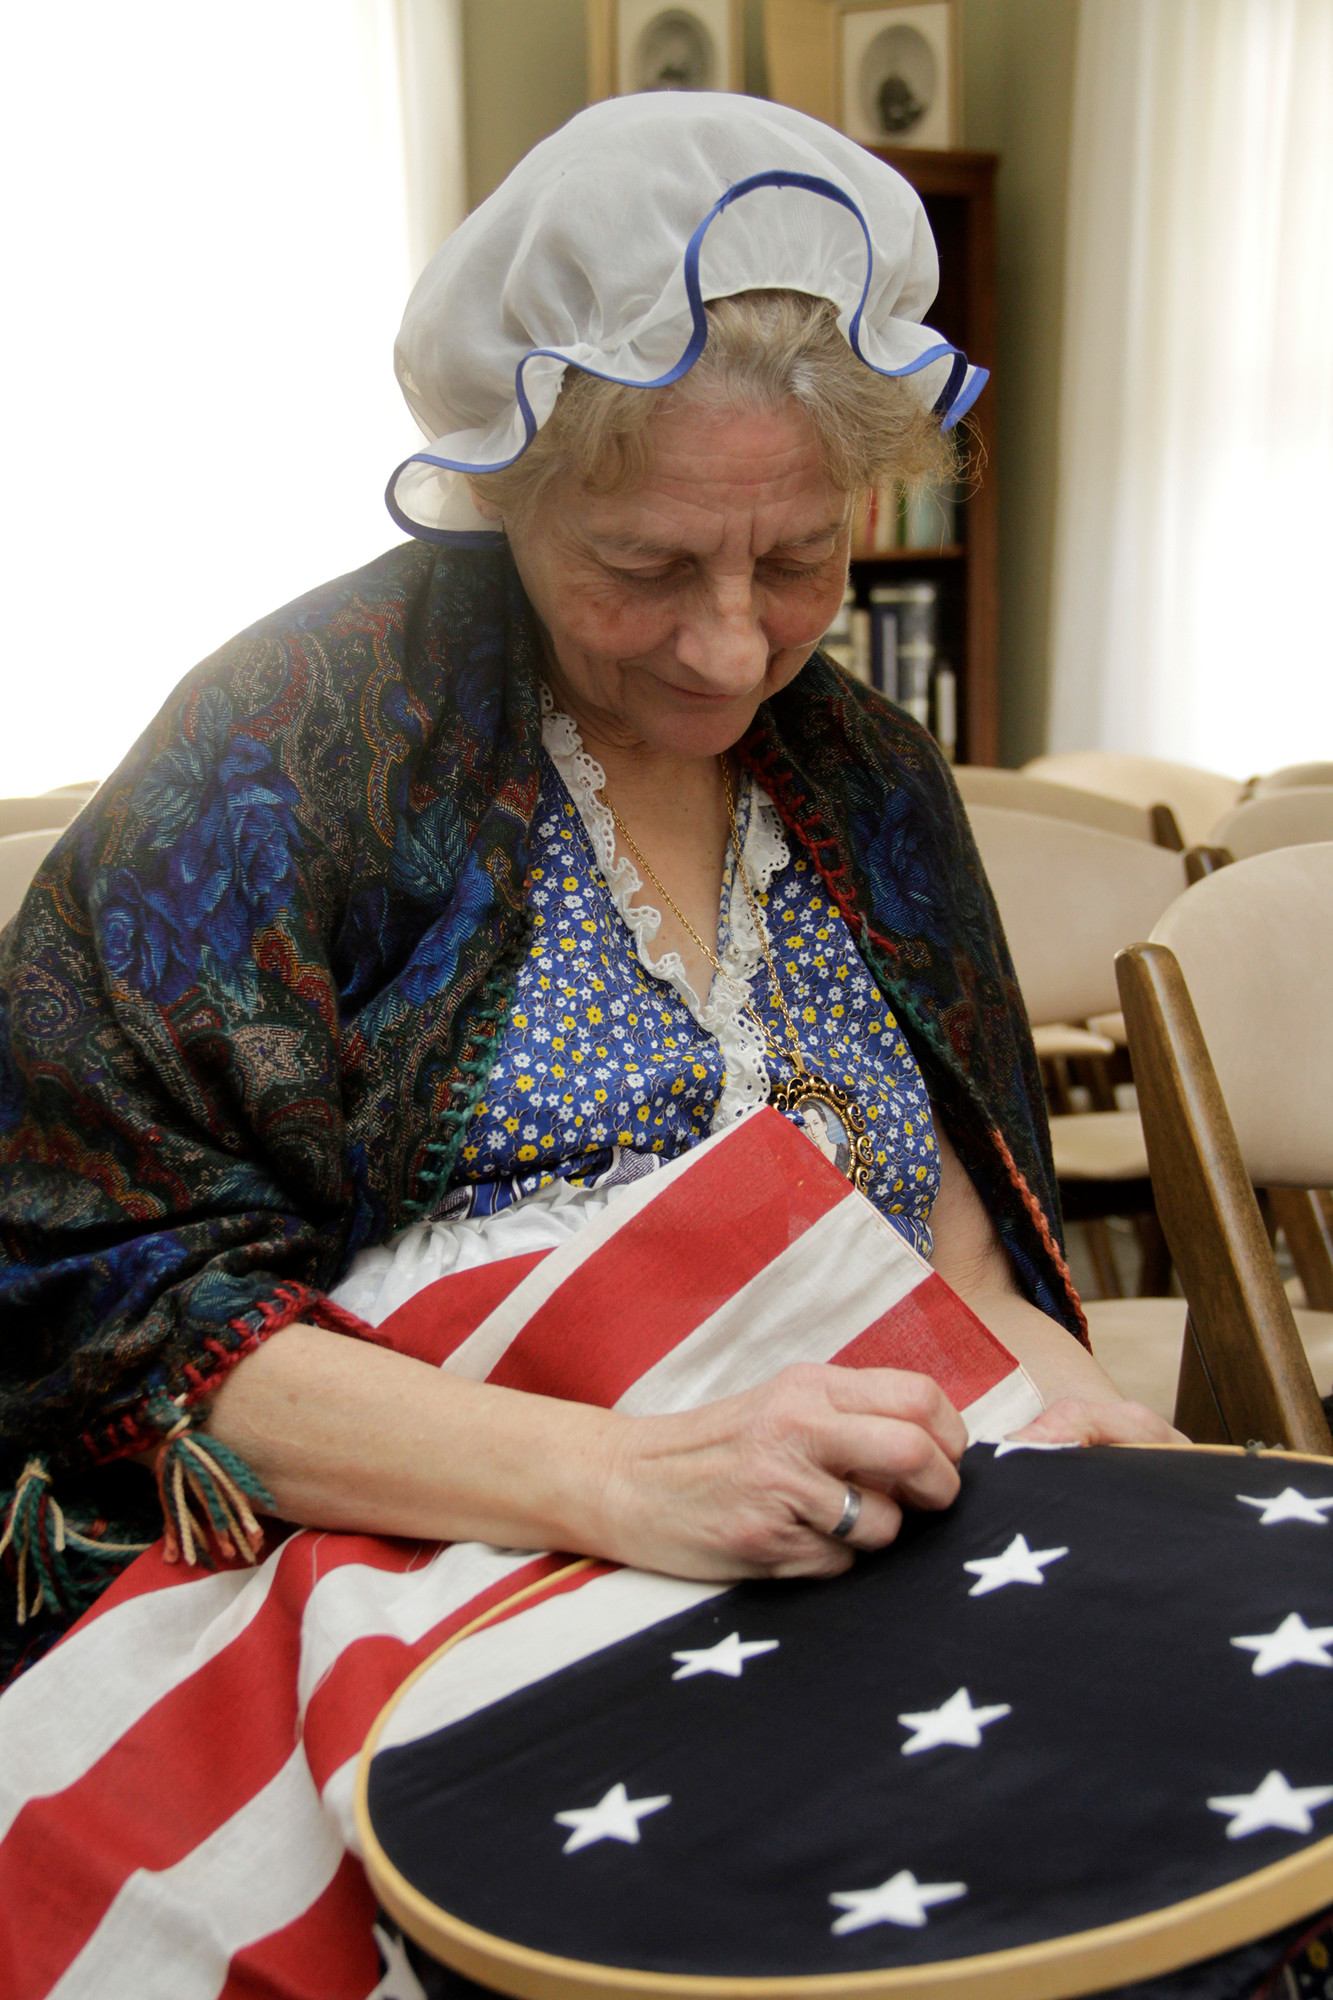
256, 988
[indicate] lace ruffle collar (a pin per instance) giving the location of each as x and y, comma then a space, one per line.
765, 853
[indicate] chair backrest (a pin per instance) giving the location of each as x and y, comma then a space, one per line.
21, 855
1232, 1044
1255, 944
1290, 775
983, 785
1276, 819
1196, 797
27, 815
1070, 897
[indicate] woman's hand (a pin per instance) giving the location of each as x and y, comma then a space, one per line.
754, 1485
348, 1435
1083, 1420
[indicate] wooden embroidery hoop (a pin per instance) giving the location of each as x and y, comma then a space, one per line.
1056, 1969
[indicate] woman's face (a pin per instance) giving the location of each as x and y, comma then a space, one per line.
673, 610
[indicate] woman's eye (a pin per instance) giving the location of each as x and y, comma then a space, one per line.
647, 576
796, 572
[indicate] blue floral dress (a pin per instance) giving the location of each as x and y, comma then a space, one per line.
611, 1064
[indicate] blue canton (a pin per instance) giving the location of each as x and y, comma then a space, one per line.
603, 1071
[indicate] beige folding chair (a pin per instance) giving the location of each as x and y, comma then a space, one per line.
1070, 897
1290, 818
983, 785
1287, 777
30, 814
21, 855
1196, 797
1231, 1033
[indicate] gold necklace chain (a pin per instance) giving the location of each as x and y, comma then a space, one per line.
792, 1056
810, 1098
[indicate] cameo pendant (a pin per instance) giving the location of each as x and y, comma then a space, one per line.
834, 1122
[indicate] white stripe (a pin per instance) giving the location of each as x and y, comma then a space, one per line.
171, 1934
809, 1302
1007, 1407
358, 1603
480, 1352
66, 1712
500, 1659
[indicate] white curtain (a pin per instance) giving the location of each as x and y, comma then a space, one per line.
215, 217
1194, 541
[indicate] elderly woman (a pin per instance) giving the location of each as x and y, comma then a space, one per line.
474, 885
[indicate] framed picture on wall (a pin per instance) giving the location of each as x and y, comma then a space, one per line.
642, 45
896, 72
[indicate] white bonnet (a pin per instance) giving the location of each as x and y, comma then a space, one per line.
602, 247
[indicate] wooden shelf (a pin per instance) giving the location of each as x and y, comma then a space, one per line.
951, 552
958, 191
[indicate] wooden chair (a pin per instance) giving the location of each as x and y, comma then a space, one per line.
1196, 797
21, 855
1289, 817
1070, 897
982, 785
1232, 1039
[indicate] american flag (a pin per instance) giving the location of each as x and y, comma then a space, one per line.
1080, 1720
177, 1777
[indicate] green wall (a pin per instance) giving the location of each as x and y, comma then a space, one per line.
525, 68
1018, 83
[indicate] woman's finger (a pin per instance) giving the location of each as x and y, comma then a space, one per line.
901, 1393
1074, 1420
876, 1518
888, 1455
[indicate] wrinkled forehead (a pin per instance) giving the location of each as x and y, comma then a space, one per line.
746, 485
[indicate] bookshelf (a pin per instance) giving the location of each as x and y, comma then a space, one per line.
958, 190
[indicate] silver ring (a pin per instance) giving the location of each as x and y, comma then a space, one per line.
850, 1515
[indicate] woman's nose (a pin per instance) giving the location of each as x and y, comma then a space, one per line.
722, 641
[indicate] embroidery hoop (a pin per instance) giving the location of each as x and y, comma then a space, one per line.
1131, 1948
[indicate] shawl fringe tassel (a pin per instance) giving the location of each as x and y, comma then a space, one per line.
57, 1567
208, 1498
206, 1492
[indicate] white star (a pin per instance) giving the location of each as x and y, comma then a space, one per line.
728, 1656
956, 1722
1288, 1505
615, 1817
1006, 1445
397, 1981
900, 1900
1293, 1644
1276, 1803
1018, 1564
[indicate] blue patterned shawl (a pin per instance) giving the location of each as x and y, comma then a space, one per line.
254, 991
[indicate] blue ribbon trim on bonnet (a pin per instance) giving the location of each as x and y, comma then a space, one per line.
952, 403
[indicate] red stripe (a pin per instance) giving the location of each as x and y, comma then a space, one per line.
933, 1333
151, 1572
439, 1318
342, 1708
195, 1759
327, 1954
674, 1264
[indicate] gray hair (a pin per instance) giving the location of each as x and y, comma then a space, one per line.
764, 349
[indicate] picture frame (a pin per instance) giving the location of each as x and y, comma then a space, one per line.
896, 72
636, 45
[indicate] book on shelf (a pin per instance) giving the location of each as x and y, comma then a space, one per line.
902, 514
892, 647
848, 638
